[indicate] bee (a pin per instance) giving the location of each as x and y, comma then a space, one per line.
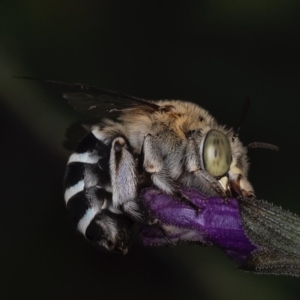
165, 143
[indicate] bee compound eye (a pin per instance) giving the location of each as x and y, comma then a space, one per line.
216, 153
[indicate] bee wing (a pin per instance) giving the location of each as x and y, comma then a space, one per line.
97, 101
102, 101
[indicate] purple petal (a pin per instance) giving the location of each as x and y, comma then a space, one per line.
216, 223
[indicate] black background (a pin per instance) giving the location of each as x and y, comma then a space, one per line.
215, 53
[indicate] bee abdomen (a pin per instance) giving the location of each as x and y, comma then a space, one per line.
110, 230
88, 196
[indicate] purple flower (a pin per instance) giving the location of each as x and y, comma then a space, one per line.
260, 237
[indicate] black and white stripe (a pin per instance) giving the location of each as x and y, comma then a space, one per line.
88, 196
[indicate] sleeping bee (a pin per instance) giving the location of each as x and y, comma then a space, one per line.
166, 143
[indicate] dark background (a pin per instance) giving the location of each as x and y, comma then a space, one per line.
215, 53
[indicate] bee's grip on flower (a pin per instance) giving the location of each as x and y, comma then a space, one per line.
257, 235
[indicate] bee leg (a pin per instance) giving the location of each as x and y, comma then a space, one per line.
153, 164
122, 169
124, 180
211, 185
183, 198
164, 232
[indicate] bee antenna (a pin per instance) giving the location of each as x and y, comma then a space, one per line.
263, 146
244, 113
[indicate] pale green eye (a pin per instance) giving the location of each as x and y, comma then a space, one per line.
216, 153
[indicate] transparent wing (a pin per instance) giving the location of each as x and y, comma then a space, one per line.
97, 101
